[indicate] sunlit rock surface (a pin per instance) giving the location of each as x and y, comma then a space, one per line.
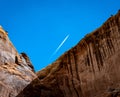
16, 71
90, 69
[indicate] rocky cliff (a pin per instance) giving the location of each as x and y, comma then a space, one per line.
90, 69
16, 70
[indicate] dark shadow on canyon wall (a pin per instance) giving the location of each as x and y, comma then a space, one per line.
90, 69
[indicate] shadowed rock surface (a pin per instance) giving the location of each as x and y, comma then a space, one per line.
16, 71
90, 69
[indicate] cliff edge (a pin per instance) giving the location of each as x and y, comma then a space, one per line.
16, 70
90, 69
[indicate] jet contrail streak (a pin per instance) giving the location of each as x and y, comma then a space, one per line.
60, 45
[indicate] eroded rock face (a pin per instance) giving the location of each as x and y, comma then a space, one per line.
16, 71
90, 69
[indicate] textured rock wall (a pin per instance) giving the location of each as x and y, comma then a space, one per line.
16, 71
90, 69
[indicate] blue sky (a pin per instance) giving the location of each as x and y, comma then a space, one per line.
38, 27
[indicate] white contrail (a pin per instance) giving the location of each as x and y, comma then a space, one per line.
60, 45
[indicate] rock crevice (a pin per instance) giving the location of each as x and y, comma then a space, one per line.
15, 74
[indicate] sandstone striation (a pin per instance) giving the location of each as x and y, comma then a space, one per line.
16, 70
90, 69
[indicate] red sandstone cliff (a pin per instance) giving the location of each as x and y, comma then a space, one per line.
90, 69
16, 71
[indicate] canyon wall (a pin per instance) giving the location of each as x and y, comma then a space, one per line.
16, 70
90, 69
